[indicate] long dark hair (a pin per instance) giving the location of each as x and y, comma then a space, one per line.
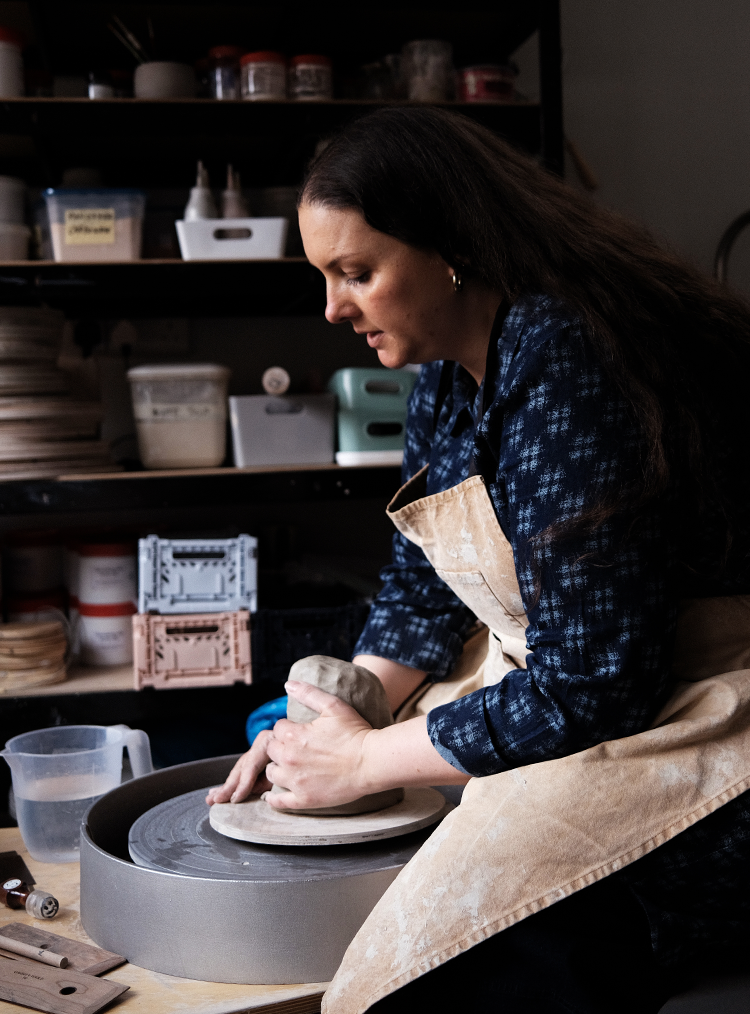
673, 339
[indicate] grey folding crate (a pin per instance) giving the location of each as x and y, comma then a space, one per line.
197, 575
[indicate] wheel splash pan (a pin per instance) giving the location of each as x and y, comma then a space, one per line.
266, 928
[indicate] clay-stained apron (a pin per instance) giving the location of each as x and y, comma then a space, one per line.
526, 838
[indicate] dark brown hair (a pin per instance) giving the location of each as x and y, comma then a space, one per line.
674, 340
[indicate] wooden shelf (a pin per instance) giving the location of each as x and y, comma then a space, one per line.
278, 103
148, 262
174, 473
89, 494
151, 288
84, 680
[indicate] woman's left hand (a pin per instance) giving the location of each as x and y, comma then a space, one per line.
320, 763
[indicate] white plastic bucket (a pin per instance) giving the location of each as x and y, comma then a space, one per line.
180, 414
106, 574
106, 633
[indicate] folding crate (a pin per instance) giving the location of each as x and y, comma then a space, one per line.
197, 650
197, 575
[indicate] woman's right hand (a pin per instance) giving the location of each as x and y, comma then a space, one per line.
248, 776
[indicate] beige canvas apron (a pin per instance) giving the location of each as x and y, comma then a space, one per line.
526, 838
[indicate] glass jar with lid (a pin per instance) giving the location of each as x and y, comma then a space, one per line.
310, 78
263, 76
224, 72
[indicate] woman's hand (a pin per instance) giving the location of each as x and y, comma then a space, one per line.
247, 777
319, 763
335, 759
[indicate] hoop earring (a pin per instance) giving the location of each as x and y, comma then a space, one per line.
458, 282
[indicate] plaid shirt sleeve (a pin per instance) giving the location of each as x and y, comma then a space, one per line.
556, 435
416, 619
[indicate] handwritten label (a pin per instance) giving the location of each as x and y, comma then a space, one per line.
89, 226
150, 411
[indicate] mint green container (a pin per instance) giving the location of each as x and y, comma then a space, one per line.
371, 417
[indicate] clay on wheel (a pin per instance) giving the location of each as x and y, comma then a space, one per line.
361, 689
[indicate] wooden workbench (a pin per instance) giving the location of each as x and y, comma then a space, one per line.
150, 992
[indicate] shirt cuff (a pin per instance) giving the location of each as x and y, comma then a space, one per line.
446, 754
460, 733
411, 640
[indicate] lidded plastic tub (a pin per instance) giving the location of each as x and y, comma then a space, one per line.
105, 601
180, 414
263, 76
95, 223
371, 414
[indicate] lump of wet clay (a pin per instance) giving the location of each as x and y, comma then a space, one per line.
361, 689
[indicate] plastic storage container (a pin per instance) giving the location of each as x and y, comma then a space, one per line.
106, 573
224, 72
310, 78
198, 650
58, 773
232, 239
105, 601
371, 414
180, 414
95, 224
105, 633
263, 76
197, 575
288, 430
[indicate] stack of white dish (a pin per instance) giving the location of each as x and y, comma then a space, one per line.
43, 431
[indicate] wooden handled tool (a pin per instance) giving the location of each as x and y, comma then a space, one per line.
35, 953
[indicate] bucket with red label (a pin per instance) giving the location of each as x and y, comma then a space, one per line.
106, 596
487, 82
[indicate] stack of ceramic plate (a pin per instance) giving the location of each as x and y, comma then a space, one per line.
32, 654
43, 432
29, 346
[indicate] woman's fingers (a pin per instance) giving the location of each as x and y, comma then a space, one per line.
245, 773
327, 705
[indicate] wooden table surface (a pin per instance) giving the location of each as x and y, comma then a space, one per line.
150, 992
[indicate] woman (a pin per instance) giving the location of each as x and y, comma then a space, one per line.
581, 417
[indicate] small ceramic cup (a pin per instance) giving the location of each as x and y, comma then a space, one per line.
162, 79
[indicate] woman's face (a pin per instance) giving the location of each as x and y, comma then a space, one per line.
402, 298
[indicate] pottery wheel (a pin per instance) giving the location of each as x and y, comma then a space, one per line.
176, 837
256, 821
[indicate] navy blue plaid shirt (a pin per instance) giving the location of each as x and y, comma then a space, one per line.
552, 433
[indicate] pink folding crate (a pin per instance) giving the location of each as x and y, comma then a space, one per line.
192, 650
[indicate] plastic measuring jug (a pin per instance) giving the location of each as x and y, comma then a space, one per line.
58, 773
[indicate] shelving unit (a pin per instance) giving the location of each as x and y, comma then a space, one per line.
155, 144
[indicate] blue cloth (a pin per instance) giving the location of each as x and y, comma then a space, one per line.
265, 717
554, 434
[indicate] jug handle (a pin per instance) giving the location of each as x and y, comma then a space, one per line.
139, 749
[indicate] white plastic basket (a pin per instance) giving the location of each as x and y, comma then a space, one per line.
197, 575
232, 239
